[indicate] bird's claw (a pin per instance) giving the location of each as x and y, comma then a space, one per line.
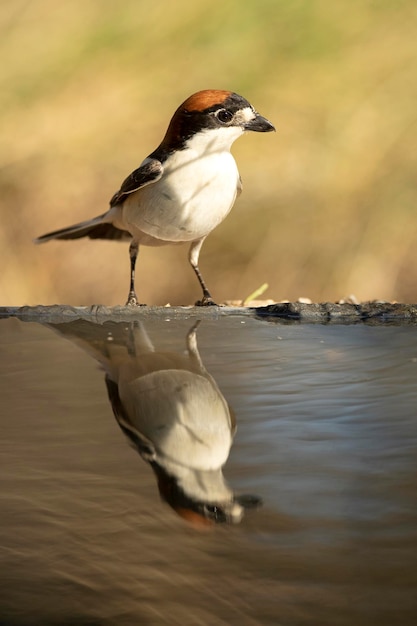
133, 301
206, 301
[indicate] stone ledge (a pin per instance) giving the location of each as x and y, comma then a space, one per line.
374, 312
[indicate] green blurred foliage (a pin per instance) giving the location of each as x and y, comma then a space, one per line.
87, 90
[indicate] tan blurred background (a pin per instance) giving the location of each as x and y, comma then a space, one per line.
329, 203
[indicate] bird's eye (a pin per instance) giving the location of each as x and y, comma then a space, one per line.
214, 512
224, 116
211, 509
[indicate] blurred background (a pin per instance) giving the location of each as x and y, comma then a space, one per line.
329, 201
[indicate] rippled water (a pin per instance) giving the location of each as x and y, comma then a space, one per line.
103, 482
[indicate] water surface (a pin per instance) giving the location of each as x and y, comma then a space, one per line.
93, 531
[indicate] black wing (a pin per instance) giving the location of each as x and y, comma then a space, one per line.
149, 172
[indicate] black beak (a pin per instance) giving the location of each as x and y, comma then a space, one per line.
247, 501
259, 124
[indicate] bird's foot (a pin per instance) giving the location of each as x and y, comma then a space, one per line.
206, 301
133, 300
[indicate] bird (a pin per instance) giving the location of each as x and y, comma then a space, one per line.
172, 412
182, 190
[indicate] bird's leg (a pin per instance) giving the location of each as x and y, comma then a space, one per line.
132, 299
192, 349
193, 255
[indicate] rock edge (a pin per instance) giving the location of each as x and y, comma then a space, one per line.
374, 312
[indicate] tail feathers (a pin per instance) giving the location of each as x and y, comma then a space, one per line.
94, 229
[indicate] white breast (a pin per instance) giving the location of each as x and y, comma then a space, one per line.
183, 414
194, 195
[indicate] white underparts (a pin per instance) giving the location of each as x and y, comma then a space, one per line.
194, 194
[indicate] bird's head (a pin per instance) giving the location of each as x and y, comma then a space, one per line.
214, 116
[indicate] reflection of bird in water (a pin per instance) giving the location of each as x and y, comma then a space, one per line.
174, 414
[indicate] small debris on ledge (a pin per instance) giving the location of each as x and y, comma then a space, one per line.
249, 304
